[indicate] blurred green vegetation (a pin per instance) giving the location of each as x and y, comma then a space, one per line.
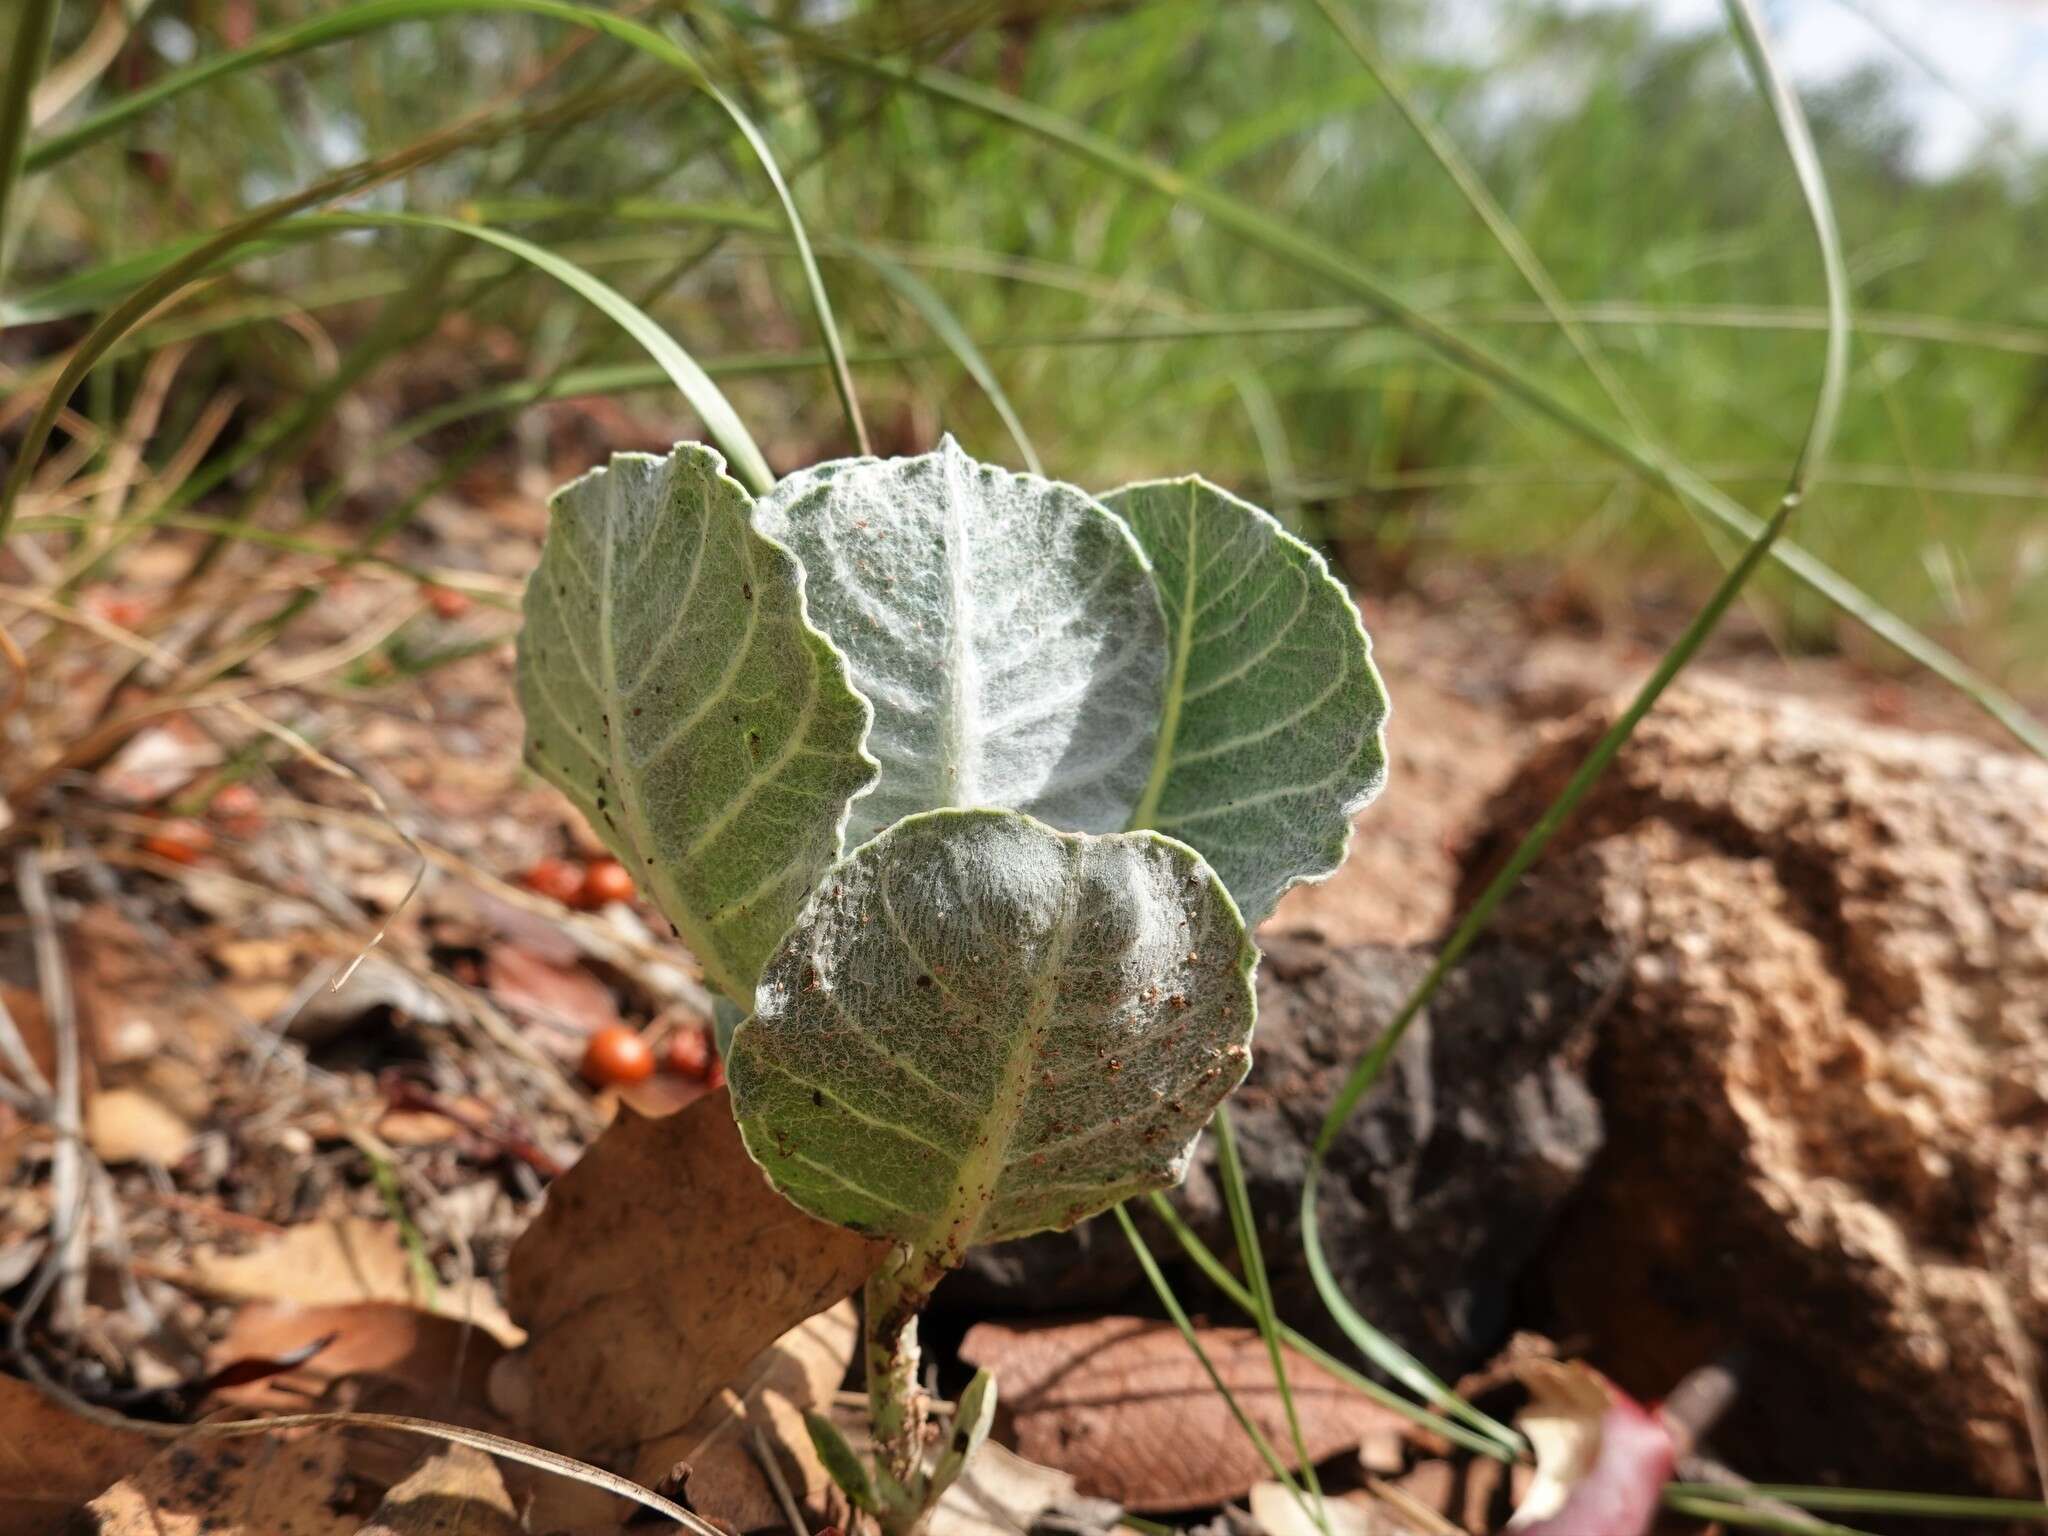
1132, 337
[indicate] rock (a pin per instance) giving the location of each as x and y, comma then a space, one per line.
1825, 1081
1442, 1186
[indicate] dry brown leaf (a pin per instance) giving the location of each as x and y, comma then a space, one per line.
999, 1494
800, 1370
438, 1361
127, 1125
1124, 1405
52, 1460
247, 1485
662, 1264
1279, 1513
332, 1263
456, 1492
565, 996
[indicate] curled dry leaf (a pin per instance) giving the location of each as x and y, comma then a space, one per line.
332, 1263
1602, 1458
661, 1266
52, 1460
247, 1485
438, 1362
1123, 1404
456, 1492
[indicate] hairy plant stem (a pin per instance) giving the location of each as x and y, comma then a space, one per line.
896, 1406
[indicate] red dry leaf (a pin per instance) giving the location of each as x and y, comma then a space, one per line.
1123, 1404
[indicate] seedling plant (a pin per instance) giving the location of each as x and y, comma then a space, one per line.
966, 788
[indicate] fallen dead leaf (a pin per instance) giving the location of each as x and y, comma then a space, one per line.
1279, 1513
247, 1485
662, 1264
1124, 1405
127, 1125
566, 997
330, 1263
157, 761
52, 1460
1000, 1493
456, 1492
438, 1361
800, 1370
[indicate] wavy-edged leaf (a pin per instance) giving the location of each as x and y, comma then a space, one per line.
980, 1027
1270, 740
1004, 627
674, 689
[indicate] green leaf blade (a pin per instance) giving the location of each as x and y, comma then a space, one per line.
1004, 626
676, 692
981, 1028
1271, 736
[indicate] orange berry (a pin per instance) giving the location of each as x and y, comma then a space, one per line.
606, 881
180, 840
446, 601
559, 879
616, 1057
689, 1053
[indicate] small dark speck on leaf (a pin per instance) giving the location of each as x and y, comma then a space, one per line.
747, 590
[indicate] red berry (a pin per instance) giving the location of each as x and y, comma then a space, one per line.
616, 1057
559, 879
689, 1053
606, 881
180, 840
715, 1078
446, 601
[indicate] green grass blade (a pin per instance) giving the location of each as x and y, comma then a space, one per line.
947, 327
690, 380
1179, 1315
1461, 351
704, 396
1238, 1199
1812, 453
28, 50
372, 14
1729, 1511
1502, 1449
1875, 1501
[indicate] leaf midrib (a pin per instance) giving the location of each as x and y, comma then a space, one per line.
698, 934
981, 1169
1176, 682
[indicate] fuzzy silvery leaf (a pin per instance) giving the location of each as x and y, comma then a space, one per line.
980, 1027
674, 690
1003, 627
1270, 736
